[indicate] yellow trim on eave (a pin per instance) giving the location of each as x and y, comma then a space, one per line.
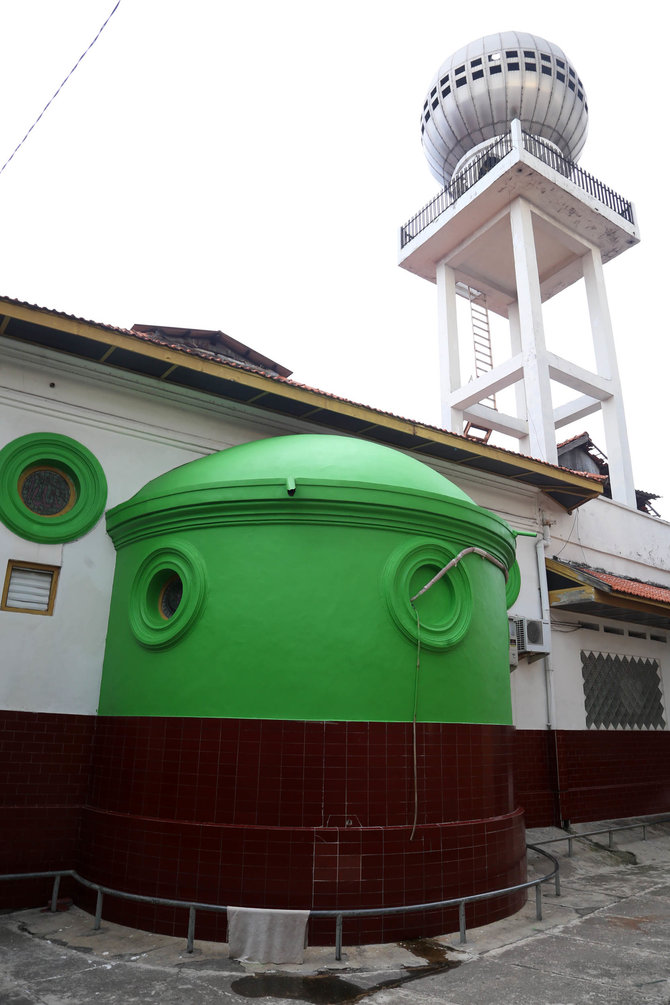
599, 594
317, 400
572, 595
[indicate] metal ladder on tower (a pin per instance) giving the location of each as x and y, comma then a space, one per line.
481, 337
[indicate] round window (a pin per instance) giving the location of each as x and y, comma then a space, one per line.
47, 491
52, 488
170, 597
440, 616
167, 595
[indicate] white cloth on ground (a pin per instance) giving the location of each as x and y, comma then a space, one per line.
266, 935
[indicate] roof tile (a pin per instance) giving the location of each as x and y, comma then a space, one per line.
631, 587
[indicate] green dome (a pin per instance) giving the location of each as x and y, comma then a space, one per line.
311, 457
296, 559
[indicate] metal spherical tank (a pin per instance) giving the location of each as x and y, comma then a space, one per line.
261, 684
481, 88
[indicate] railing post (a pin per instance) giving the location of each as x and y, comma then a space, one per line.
191, 929
54, 894
644, 832
338, 937
461, 922
538, 901
611, 840
569, 847
98, 912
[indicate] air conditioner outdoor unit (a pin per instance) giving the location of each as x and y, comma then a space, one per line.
533, 637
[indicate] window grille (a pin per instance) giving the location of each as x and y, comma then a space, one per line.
622, 692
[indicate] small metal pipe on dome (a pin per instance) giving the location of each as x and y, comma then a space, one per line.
450, 565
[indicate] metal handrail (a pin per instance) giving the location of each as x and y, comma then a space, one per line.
488, 158
460, 901
610, 831
587, 182
339, 915
457, 187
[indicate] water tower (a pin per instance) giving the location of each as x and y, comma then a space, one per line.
517, 222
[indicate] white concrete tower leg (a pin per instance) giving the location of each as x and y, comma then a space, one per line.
614, 418
519, 387
537, 382
447, 333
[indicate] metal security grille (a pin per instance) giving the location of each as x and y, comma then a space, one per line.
621, 692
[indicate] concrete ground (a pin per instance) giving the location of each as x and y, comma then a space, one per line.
605, 941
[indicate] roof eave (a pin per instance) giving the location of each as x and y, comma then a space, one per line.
596, 598
123, 349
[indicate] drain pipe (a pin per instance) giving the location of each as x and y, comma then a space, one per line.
540, 545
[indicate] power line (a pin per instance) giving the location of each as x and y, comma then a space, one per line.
60, 88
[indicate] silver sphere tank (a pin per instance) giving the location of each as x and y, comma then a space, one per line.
478, 91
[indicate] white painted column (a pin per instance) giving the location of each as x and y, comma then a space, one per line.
614, 418
531, 329
447, 333
519, 387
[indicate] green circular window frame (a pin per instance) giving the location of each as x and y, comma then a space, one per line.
149, 625
81, 467
397, 578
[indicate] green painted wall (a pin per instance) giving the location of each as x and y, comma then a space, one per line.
296, 606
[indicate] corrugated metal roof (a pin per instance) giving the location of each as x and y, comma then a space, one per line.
83, 338
210, 344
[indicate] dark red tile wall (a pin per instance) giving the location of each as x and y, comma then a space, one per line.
535, 776
303, 868
298, 815
46, 761
300, 774
603, 774
301, 814
613, 773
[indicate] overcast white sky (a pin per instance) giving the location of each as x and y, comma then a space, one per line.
246, 167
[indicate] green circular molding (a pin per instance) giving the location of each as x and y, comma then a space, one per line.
52, 488
445, 610
167, 595
513, 584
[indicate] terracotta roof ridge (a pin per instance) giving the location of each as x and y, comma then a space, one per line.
615, 575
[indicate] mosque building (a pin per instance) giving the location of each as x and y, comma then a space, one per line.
267, 647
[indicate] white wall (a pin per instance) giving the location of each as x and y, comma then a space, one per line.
602, 535
139, 429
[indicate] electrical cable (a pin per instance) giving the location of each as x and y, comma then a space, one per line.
60, 88
416, 702
450, 565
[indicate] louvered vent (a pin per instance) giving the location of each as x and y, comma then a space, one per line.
29, 589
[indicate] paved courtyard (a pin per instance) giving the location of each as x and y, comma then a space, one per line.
604, 941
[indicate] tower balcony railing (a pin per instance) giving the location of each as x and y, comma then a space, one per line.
491, 156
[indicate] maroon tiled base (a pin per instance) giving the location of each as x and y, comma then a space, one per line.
302, 815
300, 774
613, 773
317, 868
46, 761
535, 776
602, 774
281, 814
